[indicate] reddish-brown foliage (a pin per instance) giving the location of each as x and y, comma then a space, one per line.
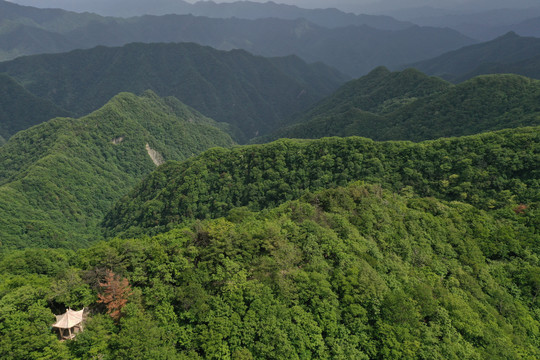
520, 209
115, 294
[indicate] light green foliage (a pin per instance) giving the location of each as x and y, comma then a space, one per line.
355, 272
58, 179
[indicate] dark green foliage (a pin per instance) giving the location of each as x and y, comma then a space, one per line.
21, 110
409, 105
380, 91
57, 179
251, 93
509, 53
348, 273
487, 170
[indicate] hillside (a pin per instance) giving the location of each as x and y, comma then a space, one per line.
487, 170
21, 110
501, 55
349, 273
249, 92
409, 105
58, 179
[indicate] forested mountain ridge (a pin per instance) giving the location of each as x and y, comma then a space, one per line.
20, 109
487, 170
501, 55
58, 179
409, 105
356, 272
249, 92
380, 91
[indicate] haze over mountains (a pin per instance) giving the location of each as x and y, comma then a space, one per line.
352, 49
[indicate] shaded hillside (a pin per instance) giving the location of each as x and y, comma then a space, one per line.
348, 273
249, 92
502, 55
20, 110
57, 179
487, 170
18, 39
409, 112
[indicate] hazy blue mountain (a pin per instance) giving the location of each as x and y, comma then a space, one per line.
484, 25
328, 17
352, 49
501, 55
251, 93
17, 39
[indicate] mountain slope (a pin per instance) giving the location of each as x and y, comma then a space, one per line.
20, 109
249, 92
58, 178
400, 107
486, 170
500, 53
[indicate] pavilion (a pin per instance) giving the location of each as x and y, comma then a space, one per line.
69, 323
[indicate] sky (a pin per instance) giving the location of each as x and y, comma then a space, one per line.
358, 6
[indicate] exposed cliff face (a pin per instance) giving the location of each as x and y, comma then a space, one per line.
155, 156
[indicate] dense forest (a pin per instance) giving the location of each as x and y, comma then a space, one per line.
356, 272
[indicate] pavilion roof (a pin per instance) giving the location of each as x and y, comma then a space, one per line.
69, 319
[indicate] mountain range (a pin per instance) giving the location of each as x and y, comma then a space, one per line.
352, 49
251, 93
330, 17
